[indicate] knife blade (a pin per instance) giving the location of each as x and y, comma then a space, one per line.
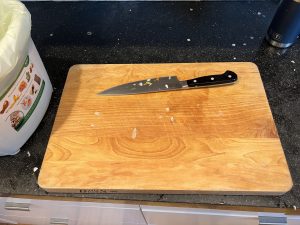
171, 83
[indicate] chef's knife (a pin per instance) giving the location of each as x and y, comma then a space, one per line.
171, 83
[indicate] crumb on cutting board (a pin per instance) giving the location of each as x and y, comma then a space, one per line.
172, 119
134, 133
97, 113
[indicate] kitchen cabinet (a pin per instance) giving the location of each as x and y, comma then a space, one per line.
39, 212
45, 212
23, 220
293, 220
156, 215
110, 214
180, 216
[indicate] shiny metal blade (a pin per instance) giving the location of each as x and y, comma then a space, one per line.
146, 86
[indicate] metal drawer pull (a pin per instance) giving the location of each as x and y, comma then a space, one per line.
272, 220
59, 221
17, 206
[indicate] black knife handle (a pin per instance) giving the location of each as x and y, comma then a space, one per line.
225, 78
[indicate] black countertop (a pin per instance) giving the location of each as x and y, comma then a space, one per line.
157, 32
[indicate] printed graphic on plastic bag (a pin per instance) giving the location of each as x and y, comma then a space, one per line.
22, 97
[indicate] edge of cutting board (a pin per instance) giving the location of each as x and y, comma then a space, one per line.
144, 191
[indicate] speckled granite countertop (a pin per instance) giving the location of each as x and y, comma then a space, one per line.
159, 32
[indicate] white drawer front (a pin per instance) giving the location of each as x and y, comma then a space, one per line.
42, 208
182, 216
24, 220
110, 216
293, 220
75, 212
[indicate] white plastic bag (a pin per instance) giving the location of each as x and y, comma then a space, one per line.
15, 27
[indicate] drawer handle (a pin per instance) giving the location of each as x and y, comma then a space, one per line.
59, 221
272, 220
17, 206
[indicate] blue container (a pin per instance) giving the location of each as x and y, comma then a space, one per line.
285, 26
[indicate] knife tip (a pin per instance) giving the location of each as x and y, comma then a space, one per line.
102, 93
106, 93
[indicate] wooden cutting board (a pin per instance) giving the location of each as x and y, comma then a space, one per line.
219, 140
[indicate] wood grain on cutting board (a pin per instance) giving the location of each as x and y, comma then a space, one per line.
211, 140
